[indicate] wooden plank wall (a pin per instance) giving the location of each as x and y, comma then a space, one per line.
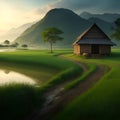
85, 49
95, 33
76, 49
105, 49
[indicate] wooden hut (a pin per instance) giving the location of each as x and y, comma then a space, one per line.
93, 42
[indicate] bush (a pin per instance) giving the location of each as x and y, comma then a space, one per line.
16, 101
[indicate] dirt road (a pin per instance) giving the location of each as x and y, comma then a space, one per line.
55, 101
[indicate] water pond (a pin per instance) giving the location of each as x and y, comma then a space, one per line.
7, 77
11, 73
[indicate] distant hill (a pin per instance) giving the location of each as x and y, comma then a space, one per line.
13, 33
66, 20
109, 17
106, 26
70, 23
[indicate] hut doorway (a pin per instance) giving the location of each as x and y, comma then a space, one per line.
95, 49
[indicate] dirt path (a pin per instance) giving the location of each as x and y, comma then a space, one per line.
56, 101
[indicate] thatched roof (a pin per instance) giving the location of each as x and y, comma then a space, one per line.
81, 40
95, 41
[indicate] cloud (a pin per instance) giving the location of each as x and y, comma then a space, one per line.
78, 6
14, 13
89, 5
111, 6
44, 9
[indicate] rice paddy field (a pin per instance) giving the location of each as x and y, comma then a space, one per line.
102, 101
18, 100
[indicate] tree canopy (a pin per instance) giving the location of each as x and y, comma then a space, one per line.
52, 35
6, 42
116, 34
24, 46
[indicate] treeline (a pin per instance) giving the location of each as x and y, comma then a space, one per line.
7, 43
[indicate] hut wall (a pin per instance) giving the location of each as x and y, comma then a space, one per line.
85, 49
76, 49
105, 49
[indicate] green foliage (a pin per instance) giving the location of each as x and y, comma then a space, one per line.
116, 34
117, 22
51, 35
36, 58
101, 102
65, 75
74, 83
65, 69
17, 101
15, 44
24, 46
6, 42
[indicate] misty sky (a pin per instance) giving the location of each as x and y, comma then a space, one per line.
14, 13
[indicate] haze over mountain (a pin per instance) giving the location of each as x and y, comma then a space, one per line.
66, 20
109, 17
13, 33
70, 23
106, 26
17, 12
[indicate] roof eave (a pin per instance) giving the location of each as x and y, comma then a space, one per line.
95, 44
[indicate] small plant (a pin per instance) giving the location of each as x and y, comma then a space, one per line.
6, 42
24, 46
15, 44
18, 100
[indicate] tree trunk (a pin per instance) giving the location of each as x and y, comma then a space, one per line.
51, 47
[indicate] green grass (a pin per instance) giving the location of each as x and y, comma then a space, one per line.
102, 102
19, 100
39, 74
68, 74
74, 83
33, 62
35, 58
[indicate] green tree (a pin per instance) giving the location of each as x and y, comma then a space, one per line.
24, 46
116, 34
52, 35
15, 44
6, 42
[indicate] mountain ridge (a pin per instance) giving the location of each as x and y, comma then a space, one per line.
69, 22
13, 33
108, 17
64, 19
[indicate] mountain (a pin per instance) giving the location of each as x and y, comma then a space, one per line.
66, 20
109, 17
70, 23
13, 33
106, 26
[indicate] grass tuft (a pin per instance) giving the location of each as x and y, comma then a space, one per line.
18, 100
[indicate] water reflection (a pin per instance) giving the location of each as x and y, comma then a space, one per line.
7, 77
7, 49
